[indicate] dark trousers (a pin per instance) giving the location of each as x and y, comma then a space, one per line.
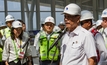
2, 63
48, 62
13, 63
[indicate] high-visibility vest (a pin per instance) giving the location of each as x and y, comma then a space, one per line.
1, 54
45, 44
5, 32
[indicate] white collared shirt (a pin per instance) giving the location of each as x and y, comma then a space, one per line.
77, 47
100, 45
9, 52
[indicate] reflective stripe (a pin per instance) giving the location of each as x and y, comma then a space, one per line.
16, 50
5, 32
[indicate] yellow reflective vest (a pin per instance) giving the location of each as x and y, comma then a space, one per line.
5, 32
45, 44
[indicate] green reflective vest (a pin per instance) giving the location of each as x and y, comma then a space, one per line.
1, 54
5, 32
45, 44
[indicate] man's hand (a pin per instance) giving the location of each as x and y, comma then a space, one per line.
92, 61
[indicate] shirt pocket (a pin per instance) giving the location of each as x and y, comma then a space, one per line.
76, 45
76, 49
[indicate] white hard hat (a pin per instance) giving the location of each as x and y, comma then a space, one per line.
72, 9
85, 14
16, 24
61, 23
104, 13
94, 23
49, 19
2, 24
9, 18
56, 29
98, 22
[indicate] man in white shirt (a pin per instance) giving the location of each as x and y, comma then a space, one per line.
78, 46
104, 25
87, 23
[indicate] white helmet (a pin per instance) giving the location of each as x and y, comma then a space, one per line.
49, 19
98, 22
72, 9
85, 14
61, 23
56, 29
104, 13
9, 18
2, 24
16, 24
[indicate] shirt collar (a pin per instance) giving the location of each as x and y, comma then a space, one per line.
75, 32
92, 28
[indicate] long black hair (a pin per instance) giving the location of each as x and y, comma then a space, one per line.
13, 35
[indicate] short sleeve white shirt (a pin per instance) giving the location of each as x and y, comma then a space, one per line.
77, 47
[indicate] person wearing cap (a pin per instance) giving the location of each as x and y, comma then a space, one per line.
61, 26
104, 25
13, 51
78, 45
44, 40
86, 22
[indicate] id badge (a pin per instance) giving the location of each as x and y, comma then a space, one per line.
21, 55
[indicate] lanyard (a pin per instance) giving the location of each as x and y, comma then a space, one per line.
16, 50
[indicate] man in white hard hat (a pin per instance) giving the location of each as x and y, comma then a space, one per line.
78, 46
86, 22
104, 25
99, 26
9, 20
6, 32
44, 40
